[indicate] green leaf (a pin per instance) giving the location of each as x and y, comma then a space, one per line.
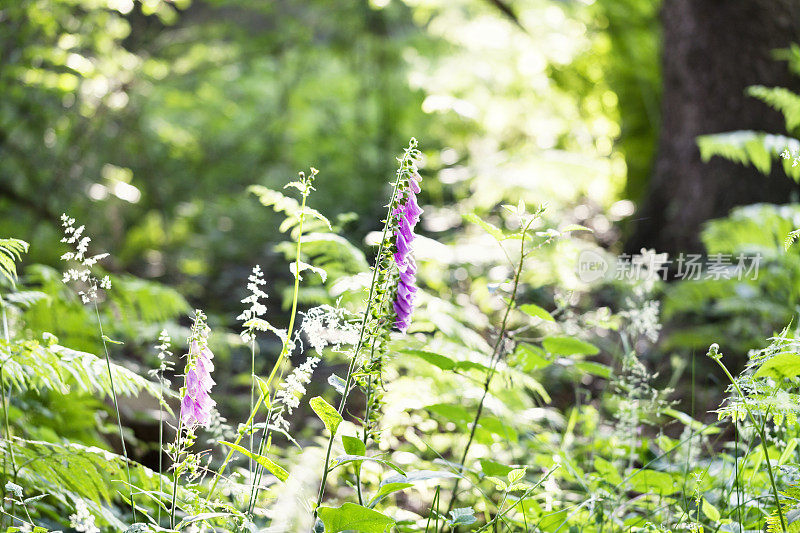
353, 445
419, 475
597, 369
516, 475
491, 229
531, 357
536, 312
783, 365
576, 227
358, 459
353, 517
435, 359
492, 468
710, 511
329, 416
569, 346
387, 489
267, 463
652, 481
452, 413
607, 470
112, 341
462, 516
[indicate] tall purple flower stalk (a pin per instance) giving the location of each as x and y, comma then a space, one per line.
407, 213
196, 405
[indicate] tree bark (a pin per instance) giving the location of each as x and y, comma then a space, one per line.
712, 51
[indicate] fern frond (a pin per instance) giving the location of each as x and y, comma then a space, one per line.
11, 251
781, 99
790, 238
749, 147
68, 472
280, 203
30, 365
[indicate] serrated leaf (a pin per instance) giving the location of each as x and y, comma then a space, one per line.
783, 365
300, 266
354, 517
329, 416
462, 516
266, 462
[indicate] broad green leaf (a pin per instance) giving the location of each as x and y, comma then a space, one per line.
492, 468
710, 511
453, 413
353, 445
329, 416
387, 489
652, 481
353, 517
569, 346
530, 357
536, 311
462, 516
607, 470
266, 462
597, 369
516, 475
435, 359
783, 365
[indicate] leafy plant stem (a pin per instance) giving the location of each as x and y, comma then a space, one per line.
281, 357
762, 437
359, 344
493, 368
177, 473
116, 409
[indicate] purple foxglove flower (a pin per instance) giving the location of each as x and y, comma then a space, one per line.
196, 404
407, 213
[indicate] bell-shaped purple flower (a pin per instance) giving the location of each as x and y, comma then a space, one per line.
407, 213
196, 404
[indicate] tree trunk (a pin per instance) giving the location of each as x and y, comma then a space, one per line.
712, 51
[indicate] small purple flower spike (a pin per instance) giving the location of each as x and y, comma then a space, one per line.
408, 213
196, 404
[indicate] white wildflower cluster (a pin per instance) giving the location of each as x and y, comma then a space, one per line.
252, 315
292, 390
75, 237
83, 520
164, 357
326, 325
643, 319
793, 155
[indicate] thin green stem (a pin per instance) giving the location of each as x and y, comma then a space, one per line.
116, 409
7, 405
286, 342
763, 438
370, 298
252, 394
177, 473
495, 358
